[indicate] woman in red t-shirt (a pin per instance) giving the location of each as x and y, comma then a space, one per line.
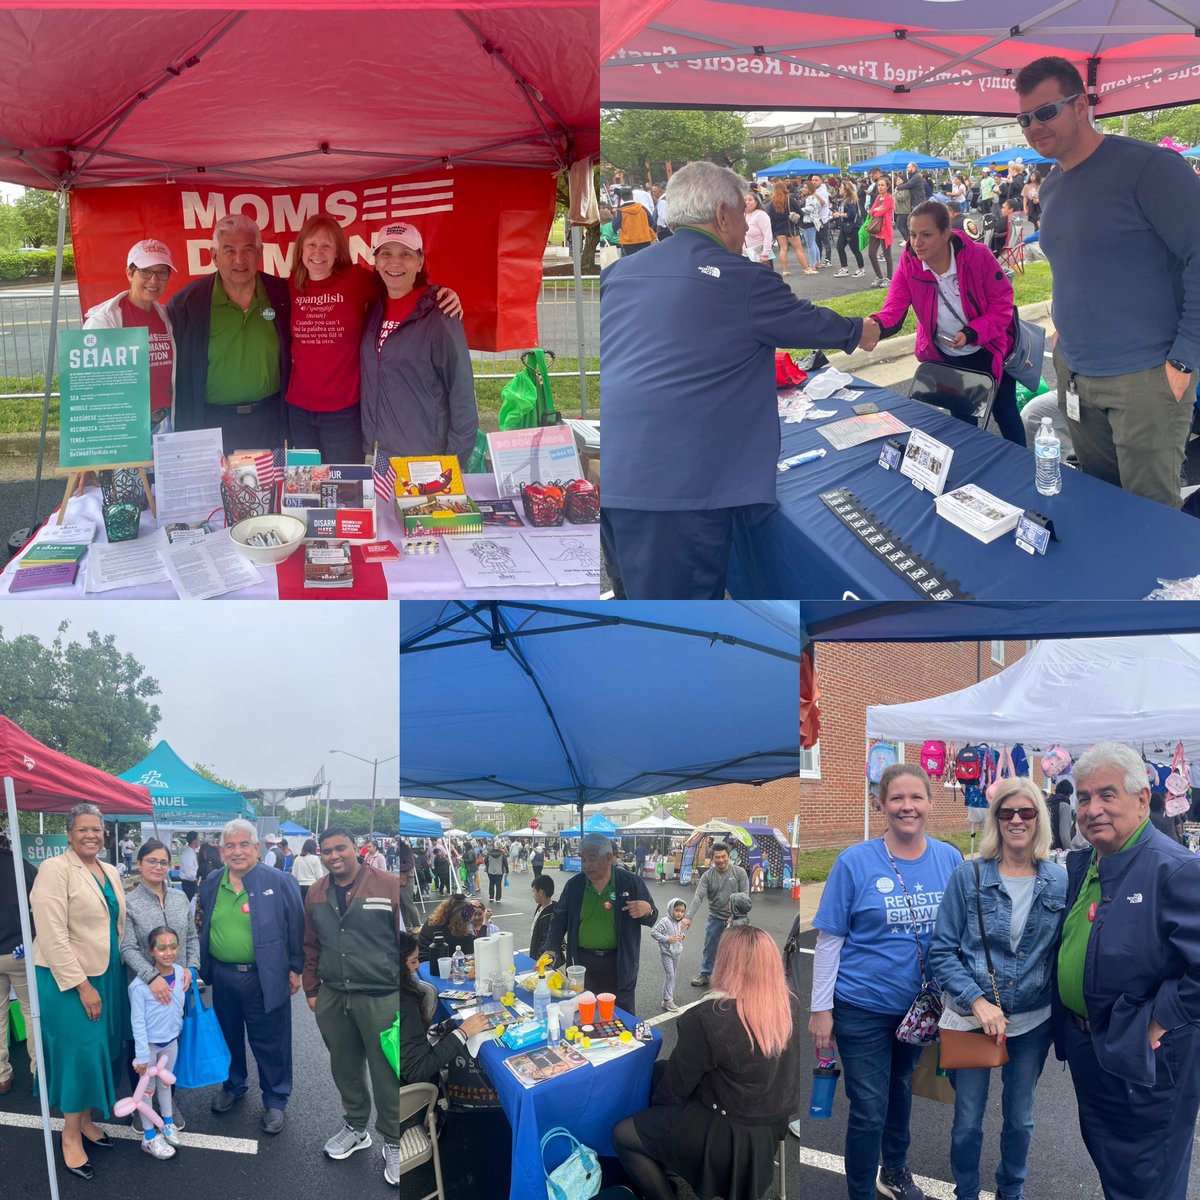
331, 296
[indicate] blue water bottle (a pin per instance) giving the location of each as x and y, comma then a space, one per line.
824, 1088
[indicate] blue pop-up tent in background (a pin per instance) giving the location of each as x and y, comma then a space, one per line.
183, 797
589, 703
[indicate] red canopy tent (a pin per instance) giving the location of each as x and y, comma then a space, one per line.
38, 779
891, 55
461, 116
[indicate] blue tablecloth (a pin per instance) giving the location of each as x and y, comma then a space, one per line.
588, 1101
1113, 545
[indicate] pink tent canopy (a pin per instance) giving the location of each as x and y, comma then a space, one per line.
327, 94
892, 55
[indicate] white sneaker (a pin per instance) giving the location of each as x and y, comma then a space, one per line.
391, 1164
860, 272
158, 1147
346, 1141
170, 1133
794, 1128
841, 274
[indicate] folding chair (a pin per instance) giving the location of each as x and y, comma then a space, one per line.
781, 1162
418, 1144
966, 394
1013, 254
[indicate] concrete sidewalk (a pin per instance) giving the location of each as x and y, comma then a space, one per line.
810, 898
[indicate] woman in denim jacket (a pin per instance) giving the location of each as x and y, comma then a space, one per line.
1022, 894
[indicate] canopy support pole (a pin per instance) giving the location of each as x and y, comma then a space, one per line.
576, 236
35, 1009
51, 352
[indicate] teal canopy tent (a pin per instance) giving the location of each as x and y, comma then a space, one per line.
183, 797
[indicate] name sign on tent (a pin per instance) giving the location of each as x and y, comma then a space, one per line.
104, 412
484, 231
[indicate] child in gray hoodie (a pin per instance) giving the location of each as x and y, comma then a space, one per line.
668, 933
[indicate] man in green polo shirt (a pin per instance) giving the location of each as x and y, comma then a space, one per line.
1127, 1012
233, 335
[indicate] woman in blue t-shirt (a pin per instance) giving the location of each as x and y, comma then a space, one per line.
881, 900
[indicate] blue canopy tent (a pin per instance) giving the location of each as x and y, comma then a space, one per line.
419, 822
592, 702
596, 823
291, 829
479, 833
183, 798
797, 166
897, 160
1002, 158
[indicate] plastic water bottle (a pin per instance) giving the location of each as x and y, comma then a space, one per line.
541, 1000
458, 966
825, 1077
1048, 449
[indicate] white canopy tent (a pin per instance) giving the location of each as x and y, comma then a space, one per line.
1144, 691
660, 822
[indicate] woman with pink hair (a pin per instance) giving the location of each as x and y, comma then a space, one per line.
722, 1101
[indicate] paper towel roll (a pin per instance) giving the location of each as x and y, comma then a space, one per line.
487, 957
504, 945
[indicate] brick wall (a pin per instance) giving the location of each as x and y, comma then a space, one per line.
778, 801
855, 675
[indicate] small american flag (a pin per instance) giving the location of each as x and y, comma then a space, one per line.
385, 478
269, 465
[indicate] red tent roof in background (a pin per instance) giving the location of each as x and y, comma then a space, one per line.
327, 94
46, 781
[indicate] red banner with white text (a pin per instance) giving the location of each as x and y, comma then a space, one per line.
484, 229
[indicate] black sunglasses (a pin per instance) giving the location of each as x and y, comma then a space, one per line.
1008, 814
1046, 113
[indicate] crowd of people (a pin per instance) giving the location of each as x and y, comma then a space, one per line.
1125, 374
349, 360
116, 955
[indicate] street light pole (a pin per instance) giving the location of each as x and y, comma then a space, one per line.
375, 765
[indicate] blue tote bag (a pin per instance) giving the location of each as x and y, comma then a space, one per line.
203, 1058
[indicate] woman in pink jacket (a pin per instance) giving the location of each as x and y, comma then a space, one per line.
963, 303
881, 214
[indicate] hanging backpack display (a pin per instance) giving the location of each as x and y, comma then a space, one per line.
881, 756
968, 764
1004, 770
1177, 785
1056, 761
988, 766
933, 759
1020, 761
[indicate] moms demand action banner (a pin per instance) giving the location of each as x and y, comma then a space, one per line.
484, 230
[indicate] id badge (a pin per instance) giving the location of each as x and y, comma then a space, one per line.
1072, 401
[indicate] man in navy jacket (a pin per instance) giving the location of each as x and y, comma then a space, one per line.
688, 332
252, 952
233, 336
601, 913
1126, 1005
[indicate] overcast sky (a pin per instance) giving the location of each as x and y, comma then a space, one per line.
259, 692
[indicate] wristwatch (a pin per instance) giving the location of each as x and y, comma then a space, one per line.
1180, 365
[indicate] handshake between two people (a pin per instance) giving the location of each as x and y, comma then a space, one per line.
871, 333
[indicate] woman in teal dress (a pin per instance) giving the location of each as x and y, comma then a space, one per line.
79, 911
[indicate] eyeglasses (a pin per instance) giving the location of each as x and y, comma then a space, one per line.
162, 274
1046, 113
1009, 814
156, 862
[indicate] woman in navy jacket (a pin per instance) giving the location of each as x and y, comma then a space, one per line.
1021, 895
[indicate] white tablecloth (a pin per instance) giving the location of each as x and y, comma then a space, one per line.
411, 577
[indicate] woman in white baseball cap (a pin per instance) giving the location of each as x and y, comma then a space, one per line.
418, 389
331, 296
148, 267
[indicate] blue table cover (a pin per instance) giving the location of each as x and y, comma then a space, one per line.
588, 1101
1112, 545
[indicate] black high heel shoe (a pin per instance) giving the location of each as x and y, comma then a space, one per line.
84, 1172
104, 1142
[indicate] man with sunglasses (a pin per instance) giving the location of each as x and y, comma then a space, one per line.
1127, 986
1120, 226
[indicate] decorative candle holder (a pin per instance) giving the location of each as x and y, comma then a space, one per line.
121, 521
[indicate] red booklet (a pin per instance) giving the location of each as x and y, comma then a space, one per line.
369, 581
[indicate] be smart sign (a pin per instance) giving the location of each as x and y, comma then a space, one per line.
105, 405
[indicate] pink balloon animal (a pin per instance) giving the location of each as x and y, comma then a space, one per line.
138, 1100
